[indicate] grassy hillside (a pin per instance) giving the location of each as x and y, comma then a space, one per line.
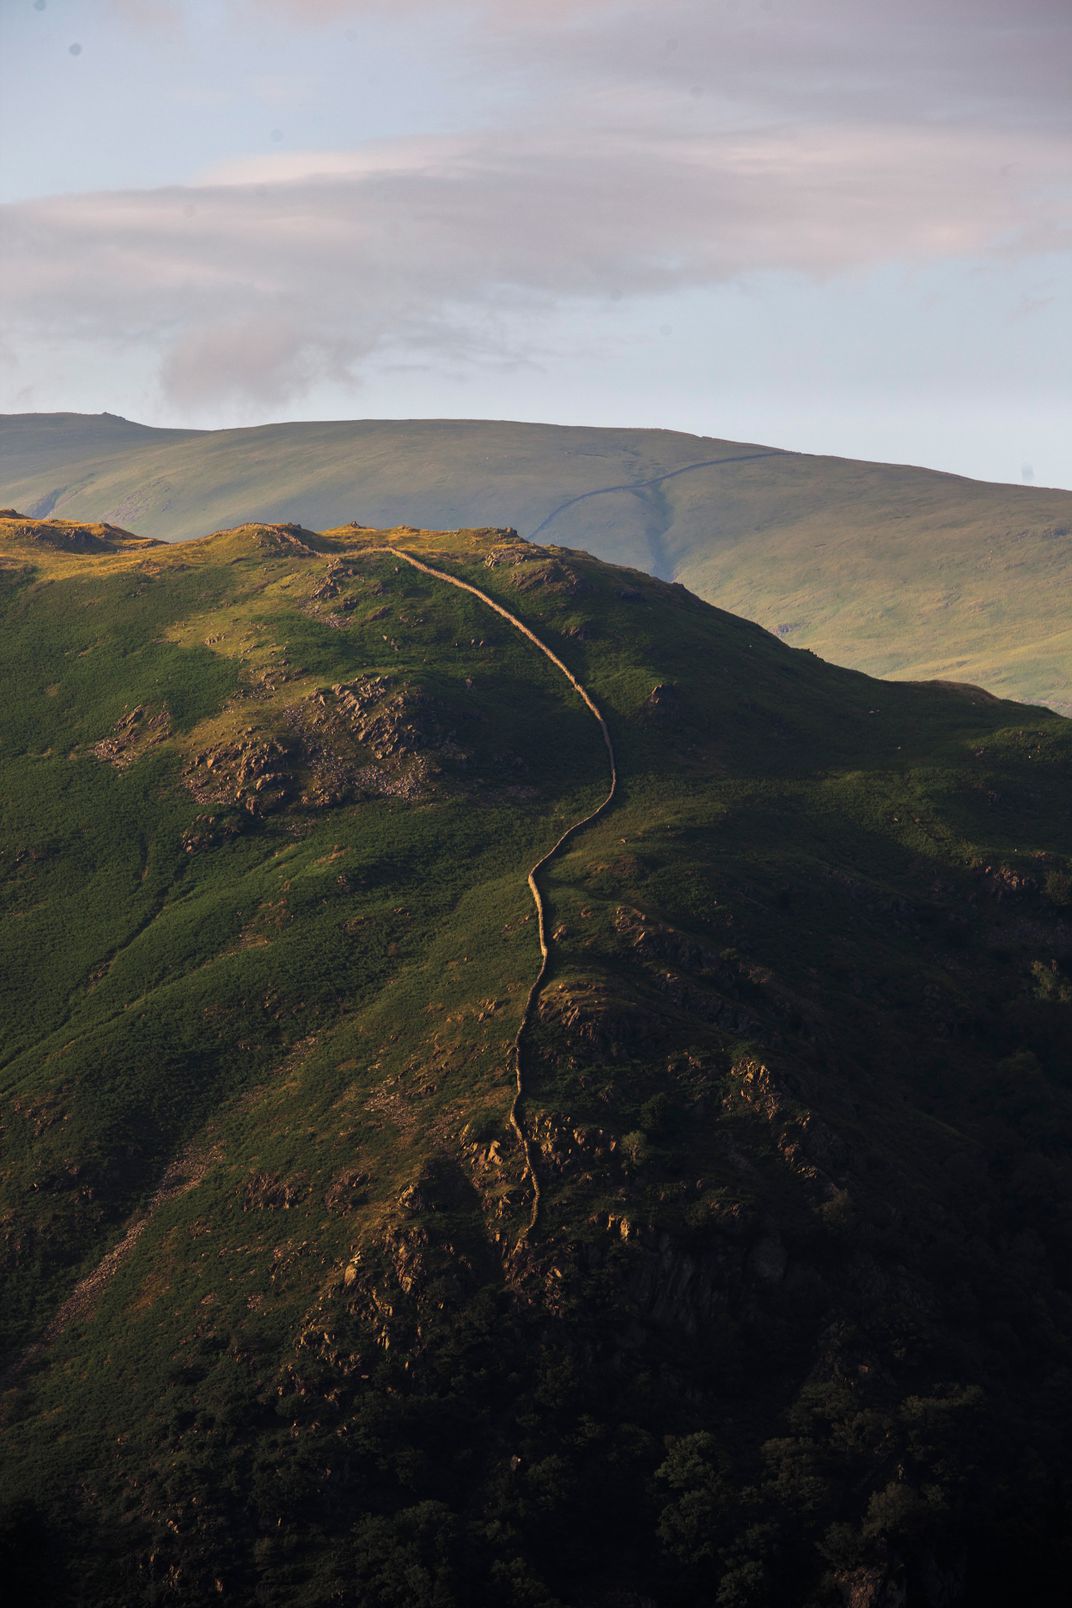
793, 1329
895, 571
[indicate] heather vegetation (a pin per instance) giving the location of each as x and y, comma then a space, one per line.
793, 1329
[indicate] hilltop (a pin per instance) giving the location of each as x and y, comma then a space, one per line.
791, 1325
64, 536
892, 570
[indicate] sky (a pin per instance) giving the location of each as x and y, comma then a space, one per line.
839, 226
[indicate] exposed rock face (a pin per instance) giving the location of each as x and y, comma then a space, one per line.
807, 1146
328, 603
1002, 882
252, 771
389, 720
656, 940
590, 1018
209, 831
687, 972
134, 734
265, 1192
66, 536
664, 701
287, 541
671, 1285
530, 566
896, 1583
432, 1255
566, 1147
347, 1192
371, 737
875, 1588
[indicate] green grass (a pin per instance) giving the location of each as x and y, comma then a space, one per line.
892, 570
323, 1373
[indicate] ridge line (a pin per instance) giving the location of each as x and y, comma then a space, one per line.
516, 1106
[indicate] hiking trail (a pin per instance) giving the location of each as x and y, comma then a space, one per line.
652, 480
517, 1105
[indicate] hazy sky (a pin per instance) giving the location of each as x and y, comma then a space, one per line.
837, 225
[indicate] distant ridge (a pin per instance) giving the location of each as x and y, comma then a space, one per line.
889, 569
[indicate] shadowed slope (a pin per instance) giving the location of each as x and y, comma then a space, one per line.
796, 1092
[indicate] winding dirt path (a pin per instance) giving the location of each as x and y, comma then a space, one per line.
653, 480
520, 1041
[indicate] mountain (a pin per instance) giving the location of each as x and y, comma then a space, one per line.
352, 1258
895, 571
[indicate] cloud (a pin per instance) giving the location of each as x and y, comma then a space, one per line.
263, 358
291, 266
620, 150
952, 62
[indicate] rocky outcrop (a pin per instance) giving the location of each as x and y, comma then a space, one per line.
371, 737
265, 1192
809, 1148
1003, 882
654, 940
663, 701
432, 1254
529, 567
68, 536
252, 771
330, 603
571, 1149
209, 831
877, 1587
588, 1017
133, 735
287, 541
670, 1285
347, 1191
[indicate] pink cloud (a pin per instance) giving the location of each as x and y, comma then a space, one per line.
642, 150
401, 243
